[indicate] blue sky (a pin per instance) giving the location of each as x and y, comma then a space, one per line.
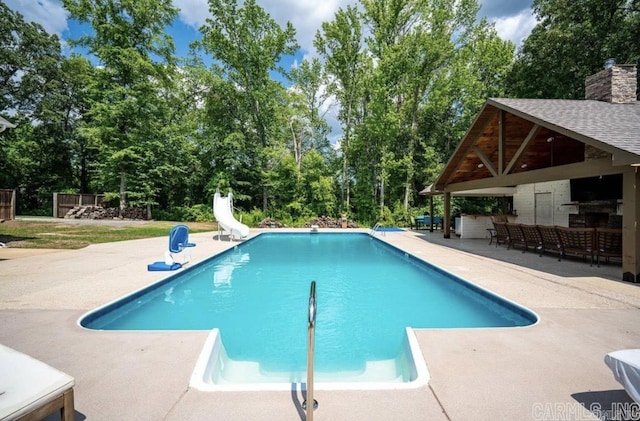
513, 18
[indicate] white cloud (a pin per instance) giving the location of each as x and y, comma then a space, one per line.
48, 13
305, 15
193, 12
517, 27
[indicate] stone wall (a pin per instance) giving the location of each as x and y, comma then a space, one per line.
617, 85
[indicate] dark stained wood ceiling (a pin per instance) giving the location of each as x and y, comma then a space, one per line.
523, 146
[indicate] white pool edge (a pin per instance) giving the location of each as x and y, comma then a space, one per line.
208, 358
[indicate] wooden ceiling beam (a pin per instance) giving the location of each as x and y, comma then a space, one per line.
483, 119
487, 163
523, 146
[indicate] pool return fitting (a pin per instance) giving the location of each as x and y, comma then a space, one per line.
310, 347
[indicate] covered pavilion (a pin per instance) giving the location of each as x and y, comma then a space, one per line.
523, 141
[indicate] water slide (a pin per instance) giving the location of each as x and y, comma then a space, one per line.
222, 212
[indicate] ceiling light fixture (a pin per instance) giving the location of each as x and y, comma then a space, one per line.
523, 166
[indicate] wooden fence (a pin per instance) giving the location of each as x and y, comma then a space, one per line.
64, 202
7, 204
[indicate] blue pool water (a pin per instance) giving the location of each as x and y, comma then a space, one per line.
257, 295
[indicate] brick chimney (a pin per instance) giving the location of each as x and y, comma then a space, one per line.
617, 84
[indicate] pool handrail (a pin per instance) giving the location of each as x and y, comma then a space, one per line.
374, 230
310, 349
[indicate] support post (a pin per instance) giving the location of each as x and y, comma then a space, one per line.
447, 215
630, 220
431, 213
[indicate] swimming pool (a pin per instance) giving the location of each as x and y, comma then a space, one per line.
255, 298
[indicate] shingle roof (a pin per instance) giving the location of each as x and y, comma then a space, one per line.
617, 125
5, 123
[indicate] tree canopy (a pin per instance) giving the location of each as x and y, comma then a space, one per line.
405, 79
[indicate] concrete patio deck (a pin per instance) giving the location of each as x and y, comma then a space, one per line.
553, 370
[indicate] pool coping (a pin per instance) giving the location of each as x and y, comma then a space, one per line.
480, 374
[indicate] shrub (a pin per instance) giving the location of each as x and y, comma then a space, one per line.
195, 213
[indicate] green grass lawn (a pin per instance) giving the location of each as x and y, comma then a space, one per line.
73, 235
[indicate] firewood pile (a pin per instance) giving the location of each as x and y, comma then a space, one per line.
98, 212
271, 223
330, 222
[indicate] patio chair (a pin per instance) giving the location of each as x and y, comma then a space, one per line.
499, 218
550, 240
608, 243
532, 238
31, 389
577, 241
418, 221
502, 234
516, 236
178, 243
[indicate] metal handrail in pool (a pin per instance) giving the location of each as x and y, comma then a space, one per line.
374, 230
310, 348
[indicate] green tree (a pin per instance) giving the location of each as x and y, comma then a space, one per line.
29, 57
136, 58
309, 129
71, 105
572, 41
318, 184
340, 43
248, 44
45, 93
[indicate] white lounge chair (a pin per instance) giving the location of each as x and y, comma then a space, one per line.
625, 365
31, 389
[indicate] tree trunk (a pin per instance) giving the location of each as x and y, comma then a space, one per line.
265, 199
297, 149
382, 197
411, 150
123, 193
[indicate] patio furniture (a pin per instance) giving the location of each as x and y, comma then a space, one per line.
550, 240
493, 235
499, 218
532, 237
502, 234
425, 221
608, 243
418, 221
577, 241
516, 236
31, 389
625, 365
